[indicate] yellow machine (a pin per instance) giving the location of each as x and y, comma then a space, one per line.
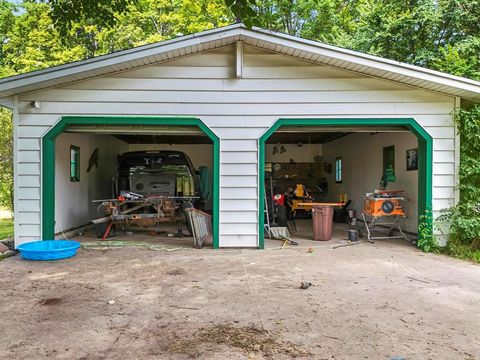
300, 191
301, 196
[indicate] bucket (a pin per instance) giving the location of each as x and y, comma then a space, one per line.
353, 235
322, 217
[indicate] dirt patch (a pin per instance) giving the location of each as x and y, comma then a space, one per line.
371, 301
249, 339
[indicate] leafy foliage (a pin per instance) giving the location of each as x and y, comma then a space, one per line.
243, 11
6, 159
427, 241
7, 18
6, 228
464, 218
33, 38
66, 13
34, 43
440, 34
325, 20
461, 251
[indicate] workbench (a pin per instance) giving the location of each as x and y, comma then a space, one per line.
312, 204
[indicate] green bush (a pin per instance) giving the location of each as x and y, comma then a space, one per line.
464, 218
456, 249
427, 241
6, 228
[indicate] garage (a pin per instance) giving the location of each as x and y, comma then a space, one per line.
133, 178
352, 162
242, 103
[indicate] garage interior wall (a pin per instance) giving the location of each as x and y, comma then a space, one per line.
304, 153
362, 155
73, 200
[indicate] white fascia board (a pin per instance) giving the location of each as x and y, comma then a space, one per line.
103, 64
8, 85
375, 62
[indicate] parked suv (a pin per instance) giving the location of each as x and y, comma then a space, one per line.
149, 188
164, 173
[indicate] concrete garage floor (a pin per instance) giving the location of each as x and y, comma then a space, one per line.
370, 301
304, 236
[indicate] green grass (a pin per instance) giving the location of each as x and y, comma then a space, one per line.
460, 251
6, 228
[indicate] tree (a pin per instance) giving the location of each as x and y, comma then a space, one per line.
154, 20
34, 43
329, 21
7, 19
459, 38
65, 14
244, 11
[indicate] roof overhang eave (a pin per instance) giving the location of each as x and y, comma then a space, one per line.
103, 65
369, 65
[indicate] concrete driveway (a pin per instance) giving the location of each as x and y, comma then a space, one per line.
369, 301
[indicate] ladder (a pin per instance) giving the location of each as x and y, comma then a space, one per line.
267, 225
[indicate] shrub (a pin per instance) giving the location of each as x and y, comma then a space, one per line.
464, 218
427, 241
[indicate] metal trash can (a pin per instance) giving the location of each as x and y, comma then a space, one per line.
322, 217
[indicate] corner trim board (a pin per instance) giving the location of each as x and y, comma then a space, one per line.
239, 59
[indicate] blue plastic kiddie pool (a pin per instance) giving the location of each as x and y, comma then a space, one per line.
49, 249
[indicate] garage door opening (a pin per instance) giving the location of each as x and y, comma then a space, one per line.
379, 168
151, 180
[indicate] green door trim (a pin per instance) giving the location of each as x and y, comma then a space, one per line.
48, 160
425, 157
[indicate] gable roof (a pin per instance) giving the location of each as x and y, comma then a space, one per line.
308, 50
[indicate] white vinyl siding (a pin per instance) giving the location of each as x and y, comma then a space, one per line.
238, 111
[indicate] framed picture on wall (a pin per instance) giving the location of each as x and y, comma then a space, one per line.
412, 159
